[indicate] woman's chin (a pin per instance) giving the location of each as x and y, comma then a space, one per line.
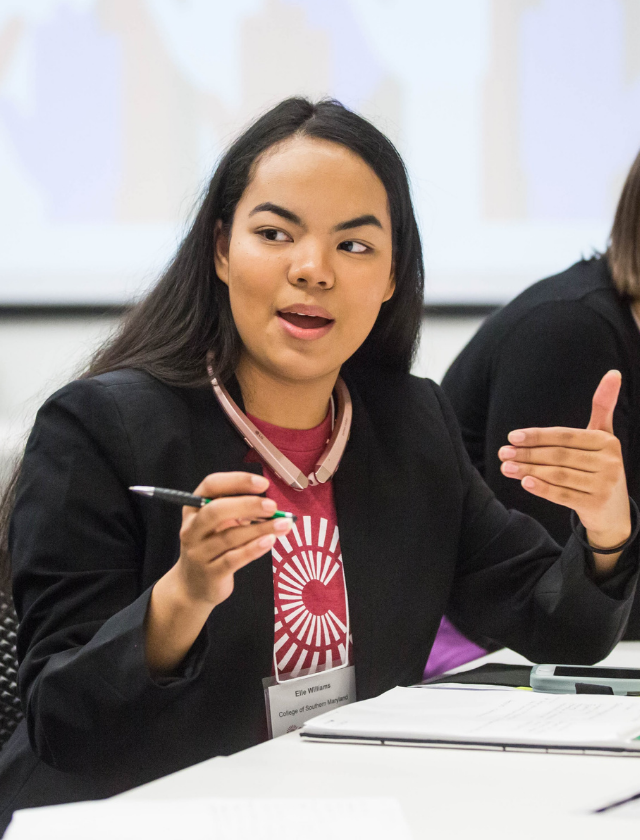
305, 363
304, 374
302, 369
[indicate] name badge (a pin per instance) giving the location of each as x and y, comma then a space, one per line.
289, 705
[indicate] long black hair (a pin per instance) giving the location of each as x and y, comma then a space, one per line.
187, 312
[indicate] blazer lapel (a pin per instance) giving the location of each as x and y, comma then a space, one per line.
224, 450
353, 484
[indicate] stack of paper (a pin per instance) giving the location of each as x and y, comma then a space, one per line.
213, 819
487, 719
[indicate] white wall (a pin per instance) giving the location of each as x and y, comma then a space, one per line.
38, 355
443, 337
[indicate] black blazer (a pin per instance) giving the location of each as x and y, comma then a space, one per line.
537, 362
420, 533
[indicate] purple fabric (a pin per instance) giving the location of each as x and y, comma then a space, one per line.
449, 650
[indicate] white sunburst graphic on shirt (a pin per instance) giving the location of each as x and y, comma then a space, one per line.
305, 564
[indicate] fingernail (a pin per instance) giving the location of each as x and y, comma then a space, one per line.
269, 506
507, 452
510, 467
516, 437
267, 542
260, 482
282, 525
528, 483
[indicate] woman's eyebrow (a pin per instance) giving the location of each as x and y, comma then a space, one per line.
359, 221
279, 211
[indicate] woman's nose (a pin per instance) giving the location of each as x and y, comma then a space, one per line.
312, 267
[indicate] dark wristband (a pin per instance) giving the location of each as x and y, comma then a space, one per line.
635, 520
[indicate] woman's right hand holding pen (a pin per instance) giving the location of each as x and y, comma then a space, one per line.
215, 541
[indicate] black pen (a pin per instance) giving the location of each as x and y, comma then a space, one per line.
617, 804
178, 497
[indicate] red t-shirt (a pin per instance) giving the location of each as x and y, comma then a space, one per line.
310, 630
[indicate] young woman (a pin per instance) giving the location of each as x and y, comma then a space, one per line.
146, 632
538, 360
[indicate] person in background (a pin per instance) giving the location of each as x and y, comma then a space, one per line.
537, 361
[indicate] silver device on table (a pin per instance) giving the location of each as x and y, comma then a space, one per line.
585, 679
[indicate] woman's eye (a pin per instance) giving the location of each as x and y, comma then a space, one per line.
273, 235
354, 247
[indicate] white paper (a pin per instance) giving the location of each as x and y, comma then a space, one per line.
468, 687
215, 819
520, 717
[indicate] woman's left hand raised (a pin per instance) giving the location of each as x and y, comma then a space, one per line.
579, 468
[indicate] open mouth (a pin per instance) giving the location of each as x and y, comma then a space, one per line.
305, 322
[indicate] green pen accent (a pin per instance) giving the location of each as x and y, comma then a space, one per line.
279, 514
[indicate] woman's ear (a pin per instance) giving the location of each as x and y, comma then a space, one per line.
221, 251
390, 288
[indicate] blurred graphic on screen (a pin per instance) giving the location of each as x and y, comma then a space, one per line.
517, 119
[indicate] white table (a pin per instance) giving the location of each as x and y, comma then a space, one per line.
443, 792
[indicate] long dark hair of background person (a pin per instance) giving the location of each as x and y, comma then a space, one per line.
623, 253
187, 313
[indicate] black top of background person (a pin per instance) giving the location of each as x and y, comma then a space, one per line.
537, 362
419, 530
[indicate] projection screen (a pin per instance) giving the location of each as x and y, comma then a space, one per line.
518, 120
